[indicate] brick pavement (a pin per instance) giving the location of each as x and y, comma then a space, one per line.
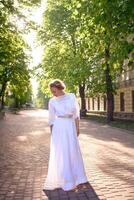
24, 152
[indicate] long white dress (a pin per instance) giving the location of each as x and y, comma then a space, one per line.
66, 167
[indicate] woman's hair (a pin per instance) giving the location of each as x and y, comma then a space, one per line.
58, 84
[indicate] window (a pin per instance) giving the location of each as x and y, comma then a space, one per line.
122, 102
88, 103
132, 100
105, 103
98, 103
93, 103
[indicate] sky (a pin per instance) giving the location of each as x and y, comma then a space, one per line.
30, 38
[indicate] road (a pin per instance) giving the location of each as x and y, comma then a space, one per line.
24, 152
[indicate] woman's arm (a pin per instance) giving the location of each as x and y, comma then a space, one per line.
51, 116
77, 115
51, 127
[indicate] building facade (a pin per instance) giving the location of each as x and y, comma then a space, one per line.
123, 100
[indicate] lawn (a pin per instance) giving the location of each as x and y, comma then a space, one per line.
119, 123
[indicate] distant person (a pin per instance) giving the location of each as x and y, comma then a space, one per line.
66, 168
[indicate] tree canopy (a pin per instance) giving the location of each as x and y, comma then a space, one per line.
14, 61
86, 43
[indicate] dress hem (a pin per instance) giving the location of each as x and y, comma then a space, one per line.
66, 186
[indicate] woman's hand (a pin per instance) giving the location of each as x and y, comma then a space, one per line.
51, 127
77, 126
78, 131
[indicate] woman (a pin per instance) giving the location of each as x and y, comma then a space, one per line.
66, 168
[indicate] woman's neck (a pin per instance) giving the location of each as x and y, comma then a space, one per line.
61, 94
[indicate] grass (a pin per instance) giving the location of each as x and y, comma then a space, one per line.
118, 123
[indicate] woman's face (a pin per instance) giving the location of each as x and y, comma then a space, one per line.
55, 91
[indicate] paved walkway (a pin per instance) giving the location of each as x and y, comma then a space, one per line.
24, 152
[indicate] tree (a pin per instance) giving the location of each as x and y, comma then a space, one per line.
13, 62
42, 95
21, 93
110, 22
86, 44
64, 55
13, 59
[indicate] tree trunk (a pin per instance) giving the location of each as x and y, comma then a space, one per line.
81, 86
109, 88
2, 101
17, 103
2, 94
83, 100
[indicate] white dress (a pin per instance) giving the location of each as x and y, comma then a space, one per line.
66, 167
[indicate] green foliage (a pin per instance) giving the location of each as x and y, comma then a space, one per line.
77, 33
14, 72
43, 94
64, 53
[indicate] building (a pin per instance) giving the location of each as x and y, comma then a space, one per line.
123, 100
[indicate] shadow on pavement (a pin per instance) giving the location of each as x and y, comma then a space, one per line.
105, 132
82, 192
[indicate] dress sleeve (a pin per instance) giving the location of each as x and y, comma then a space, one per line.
51, 113
77, 108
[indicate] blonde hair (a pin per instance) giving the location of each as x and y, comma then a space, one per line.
59, 84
